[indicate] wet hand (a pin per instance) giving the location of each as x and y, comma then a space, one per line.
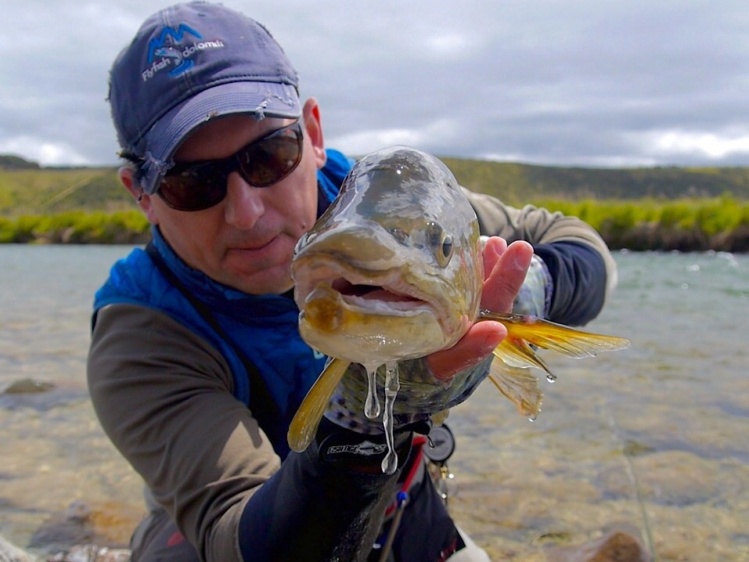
505, 268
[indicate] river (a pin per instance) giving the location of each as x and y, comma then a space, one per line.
652, 439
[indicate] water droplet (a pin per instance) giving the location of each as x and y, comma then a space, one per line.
372, 403
390, 462
532, 418
551, 378
392, 386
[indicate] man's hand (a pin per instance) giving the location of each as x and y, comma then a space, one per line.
505, 268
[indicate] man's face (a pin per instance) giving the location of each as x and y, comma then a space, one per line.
247, 240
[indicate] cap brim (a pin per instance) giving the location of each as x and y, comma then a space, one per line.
263, 99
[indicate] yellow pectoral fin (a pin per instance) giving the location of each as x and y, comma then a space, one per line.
548, 335
516, 352
518, 384
304, 425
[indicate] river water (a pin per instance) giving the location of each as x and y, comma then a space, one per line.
652, 440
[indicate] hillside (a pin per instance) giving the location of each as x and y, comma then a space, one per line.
686, 209
519, 183
26, 188
54, 190
11, 162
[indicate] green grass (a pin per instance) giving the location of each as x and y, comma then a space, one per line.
717, 223
60, 190
684, 224
639, 208
76, 227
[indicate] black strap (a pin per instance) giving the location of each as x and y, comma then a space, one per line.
261, 403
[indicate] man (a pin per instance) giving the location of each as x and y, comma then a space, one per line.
196, 365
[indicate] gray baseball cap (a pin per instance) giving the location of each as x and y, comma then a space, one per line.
188, 64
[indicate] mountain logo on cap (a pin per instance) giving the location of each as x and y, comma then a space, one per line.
172, 49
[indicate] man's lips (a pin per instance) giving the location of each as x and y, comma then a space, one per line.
254, 246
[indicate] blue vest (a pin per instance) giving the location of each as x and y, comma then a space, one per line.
263, 327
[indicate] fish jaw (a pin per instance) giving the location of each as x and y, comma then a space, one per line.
369, 317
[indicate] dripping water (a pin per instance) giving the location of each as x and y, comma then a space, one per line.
392, 386
372, 404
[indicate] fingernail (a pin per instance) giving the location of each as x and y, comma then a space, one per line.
491, 341
522, 260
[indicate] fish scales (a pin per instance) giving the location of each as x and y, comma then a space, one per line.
393, 272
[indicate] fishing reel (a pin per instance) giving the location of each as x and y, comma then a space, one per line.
440, 447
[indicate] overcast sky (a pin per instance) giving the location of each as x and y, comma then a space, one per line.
569, 82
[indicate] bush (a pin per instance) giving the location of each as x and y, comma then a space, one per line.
76, 227
720, 223
650, 224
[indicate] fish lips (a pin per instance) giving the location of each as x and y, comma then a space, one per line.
365, 316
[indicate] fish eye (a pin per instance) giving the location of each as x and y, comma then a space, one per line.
447, 246
441, 243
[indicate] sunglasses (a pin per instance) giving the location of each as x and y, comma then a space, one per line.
195, 186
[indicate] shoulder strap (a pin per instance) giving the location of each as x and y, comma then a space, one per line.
261, 403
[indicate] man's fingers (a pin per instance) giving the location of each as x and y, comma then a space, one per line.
475, 345
507, 267
493, 249
502, 284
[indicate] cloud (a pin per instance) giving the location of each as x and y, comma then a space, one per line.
38, 150
711, 145
578, 82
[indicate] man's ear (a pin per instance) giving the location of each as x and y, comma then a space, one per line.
313, 128
127, 178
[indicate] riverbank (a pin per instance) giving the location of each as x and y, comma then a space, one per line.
688, 225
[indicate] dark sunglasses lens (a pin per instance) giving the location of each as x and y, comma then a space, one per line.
196, 189
262, 163
273, 158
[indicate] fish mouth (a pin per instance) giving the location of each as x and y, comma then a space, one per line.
379, 292
367, 322
361, 295
393, 311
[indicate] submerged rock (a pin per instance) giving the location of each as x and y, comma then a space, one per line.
616, 546
37, 394
25, 386
68, 537
92, 553
79, 553
70, 528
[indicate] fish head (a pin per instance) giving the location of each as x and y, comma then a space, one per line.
392, 270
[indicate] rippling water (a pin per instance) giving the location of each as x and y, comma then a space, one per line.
652, 439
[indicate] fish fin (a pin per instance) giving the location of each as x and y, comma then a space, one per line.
516, 352
556, 337
519, 385
304, 425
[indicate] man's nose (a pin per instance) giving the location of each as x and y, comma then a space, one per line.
244, 203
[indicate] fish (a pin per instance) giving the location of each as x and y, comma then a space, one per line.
391, 272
